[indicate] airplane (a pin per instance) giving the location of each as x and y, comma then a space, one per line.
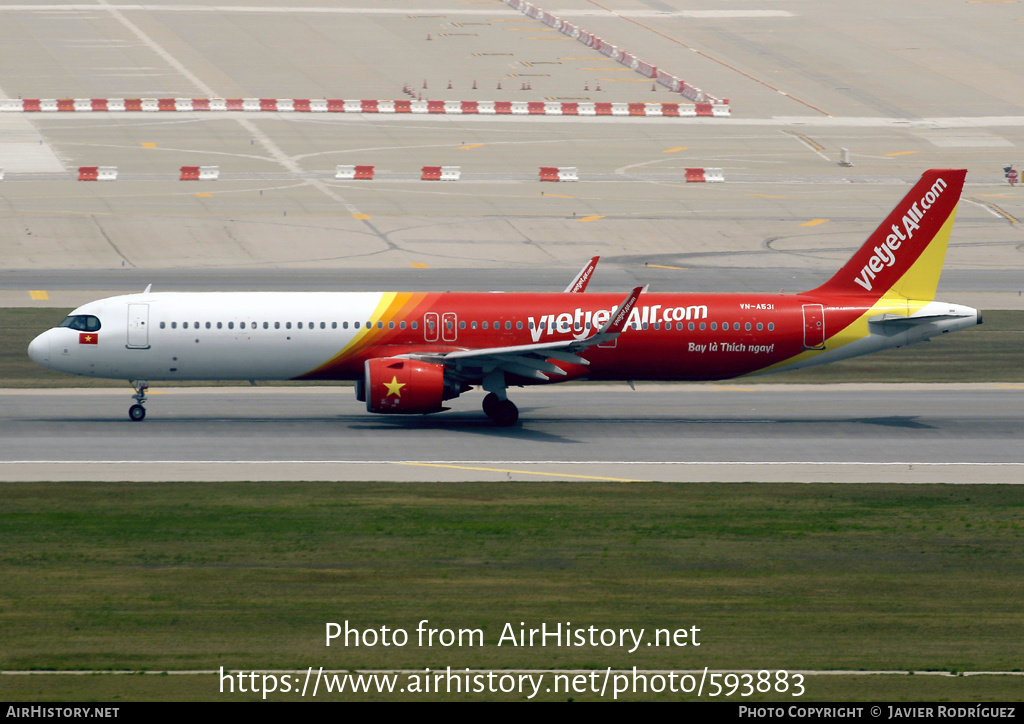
410, 352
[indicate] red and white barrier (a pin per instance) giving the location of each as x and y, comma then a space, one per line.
302, 105
559, 173
628, 59
702, 175
354, 172
200, 173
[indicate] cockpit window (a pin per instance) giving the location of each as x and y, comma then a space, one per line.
82, 322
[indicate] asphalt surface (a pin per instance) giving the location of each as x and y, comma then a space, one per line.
843, 433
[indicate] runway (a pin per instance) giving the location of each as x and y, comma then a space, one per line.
674, 433
904, 91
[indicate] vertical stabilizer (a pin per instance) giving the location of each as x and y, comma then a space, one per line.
904, 255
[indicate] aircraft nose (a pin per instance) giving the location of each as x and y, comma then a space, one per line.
39, 349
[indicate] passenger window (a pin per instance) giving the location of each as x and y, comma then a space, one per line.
714, 326
231, 325
703, 326
508, 325
771, 326
208, 325
287, 325
220, 325
484, 325
163, 325
519, 325
174, 325
380, 325
415, 325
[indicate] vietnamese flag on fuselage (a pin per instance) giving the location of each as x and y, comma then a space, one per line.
88, 338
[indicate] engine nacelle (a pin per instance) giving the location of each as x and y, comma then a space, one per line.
405, 386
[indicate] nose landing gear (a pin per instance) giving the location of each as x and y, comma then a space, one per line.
137, 412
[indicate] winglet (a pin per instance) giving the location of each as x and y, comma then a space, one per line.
618, 320
583, 278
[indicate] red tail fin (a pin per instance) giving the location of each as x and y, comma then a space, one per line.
905, 253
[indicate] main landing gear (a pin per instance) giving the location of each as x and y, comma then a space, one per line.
137, 412
503, 412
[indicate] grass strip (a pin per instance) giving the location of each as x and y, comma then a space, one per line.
246, 575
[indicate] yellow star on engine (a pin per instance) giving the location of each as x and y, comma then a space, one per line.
394, 387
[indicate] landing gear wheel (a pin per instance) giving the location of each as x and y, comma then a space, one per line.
505, 414
137, 413
491, 402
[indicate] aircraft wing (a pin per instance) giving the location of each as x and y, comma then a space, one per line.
532, 360
579, 284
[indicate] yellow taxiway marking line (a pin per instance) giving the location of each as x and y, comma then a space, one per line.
591, 60
676, 149
557, 196
899, 153
999, 196
361, 217
662, 266
590, 218
418, 265
610, 70
470, 145
996, 210
204, 195
521, 472
543, 30
1012, 387
814, 222
735, 388
39, 295
149, 145
768, 196
624, 80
